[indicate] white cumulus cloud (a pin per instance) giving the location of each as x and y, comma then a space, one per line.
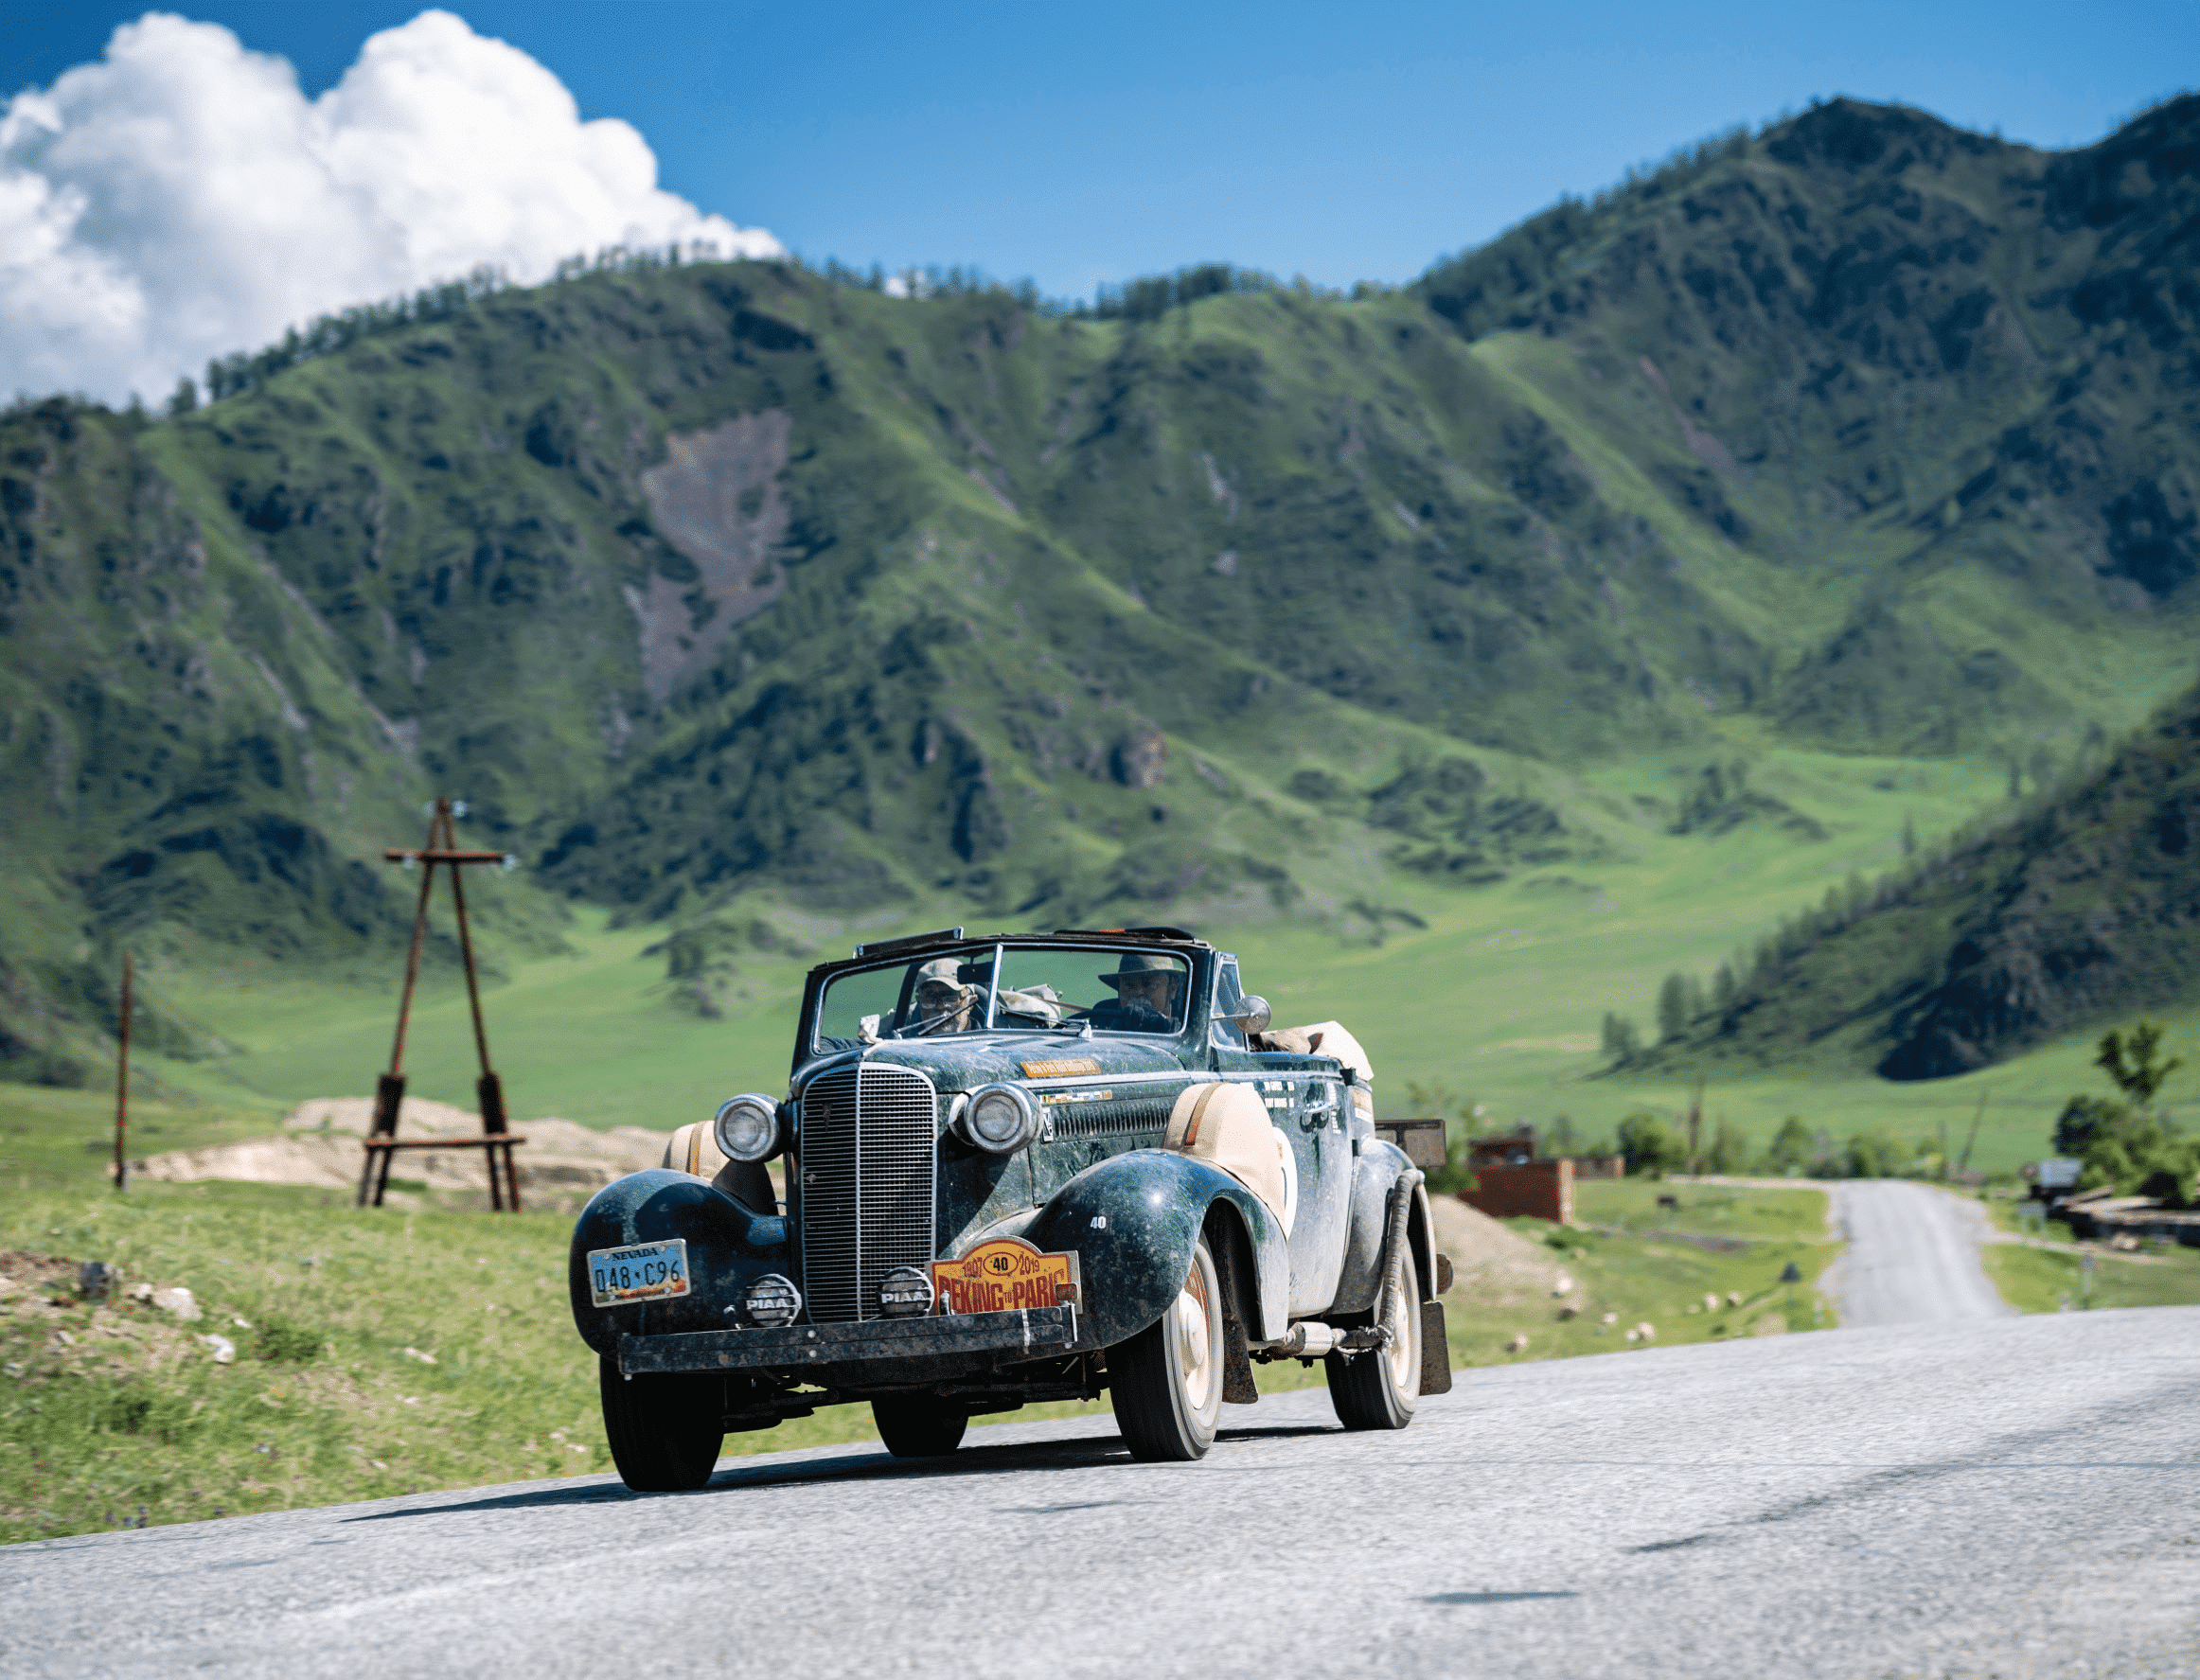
182, 198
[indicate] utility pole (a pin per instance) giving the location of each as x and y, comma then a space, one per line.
1695, 1128
122, 1080
1975, 1120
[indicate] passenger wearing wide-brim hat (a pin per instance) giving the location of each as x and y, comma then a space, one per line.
1145, 984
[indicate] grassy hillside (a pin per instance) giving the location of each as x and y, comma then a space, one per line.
759, 604
1493, 994
2075, 908
1873, 346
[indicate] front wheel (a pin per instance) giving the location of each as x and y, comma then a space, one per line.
1379, 1389
665, 1431
919, 1425
1166, 1382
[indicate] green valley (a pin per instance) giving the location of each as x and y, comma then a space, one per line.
1469, 655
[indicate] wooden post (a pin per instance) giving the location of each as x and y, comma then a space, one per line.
1694, 1129
122, 1080
489, 1088
389, 1092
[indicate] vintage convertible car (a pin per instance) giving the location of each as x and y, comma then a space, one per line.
1018, 1168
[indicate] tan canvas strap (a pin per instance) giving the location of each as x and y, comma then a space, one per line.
1200, 1113
694, 1150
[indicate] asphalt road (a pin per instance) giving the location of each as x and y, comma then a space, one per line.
1912, 1256
2004, 1497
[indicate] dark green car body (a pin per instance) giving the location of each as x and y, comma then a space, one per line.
1096, 1181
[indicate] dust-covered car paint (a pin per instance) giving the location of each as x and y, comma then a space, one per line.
883, 1169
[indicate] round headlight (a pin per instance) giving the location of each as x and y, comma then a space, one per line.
772, 1301
905, 1293
747, 1128
1000, 1118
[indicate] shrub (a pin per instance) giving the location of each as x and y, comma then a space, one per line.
1791, 1146
1730, 1151
282, 1342
2088, 1121
1879, 1154
1651, 1147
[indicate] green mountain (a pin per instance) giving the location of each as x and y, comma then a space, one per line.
2081, 908
710, 581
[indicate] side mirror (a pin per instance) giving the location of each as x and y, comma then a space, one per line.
1252, 1014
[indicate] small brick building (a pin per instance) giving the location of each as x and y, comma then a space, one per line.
1532, 1189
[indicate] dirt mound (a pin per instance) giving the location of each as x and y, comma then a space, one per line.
19, 1272
1491, 1261
319, 1145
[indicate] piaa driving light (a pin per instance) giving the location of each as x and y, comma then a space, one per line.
747, 1128
772, 1301
1000, 1118
905, 1293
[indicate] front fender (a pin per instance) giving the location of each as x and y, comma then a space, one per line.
727, 1249
1134, 1219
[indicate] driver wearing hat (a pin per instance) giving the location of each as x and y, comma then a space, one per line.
1147, 986
942, 1003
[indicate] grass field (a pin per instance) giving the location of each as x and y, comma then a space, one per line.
1639, 1264
1498, 996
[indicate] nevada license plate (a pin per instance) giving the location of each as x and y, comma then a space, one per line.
646, 1272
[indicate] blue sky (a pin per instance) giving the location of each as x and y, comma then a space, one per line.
1077, 145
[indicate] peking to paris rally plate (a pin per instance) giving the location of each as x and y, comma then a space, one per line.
640, 1271
1003, 1274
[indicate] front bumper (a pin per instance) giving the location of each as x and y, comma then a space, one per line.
1030, 1331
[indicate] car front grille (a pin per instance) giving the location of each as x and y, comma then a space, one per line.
870, 1153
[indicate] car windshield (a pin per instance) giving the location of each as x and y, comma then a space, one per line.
1040, 990
1115, 990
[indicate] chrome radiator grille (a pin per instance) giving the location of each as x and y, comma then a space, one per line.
869, 1160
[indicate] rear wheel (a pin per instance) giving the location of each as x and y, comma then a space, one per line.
1167, 1381
665, 1431
1378, 1390
919, 1425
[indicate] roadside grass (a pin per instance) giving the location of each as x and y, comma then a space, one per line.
2035, 1280
116, 1413
2048, 1275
